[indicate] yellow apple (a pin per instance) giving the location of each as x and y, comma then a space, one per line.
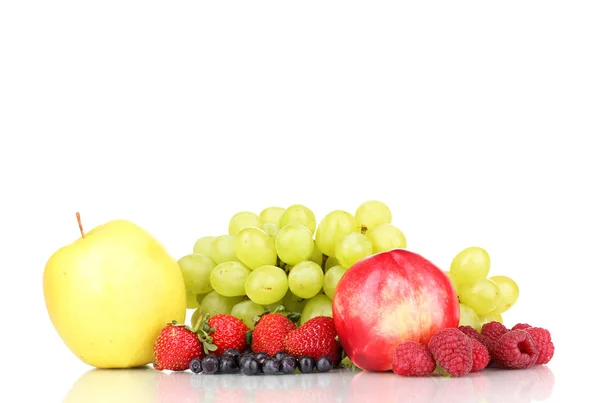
109, 293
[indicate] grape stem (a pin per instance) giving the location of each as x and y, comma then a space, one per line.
79, 223
363, 229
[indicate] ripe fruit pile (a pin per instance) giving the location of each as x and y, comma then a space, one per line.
282, 257
482, 299
276, 268
460, 351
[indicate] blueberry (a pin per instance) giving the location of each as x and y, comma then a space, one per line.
232, 352
246, 355
324, 364
196, 365
228, 364
243, 358
280, 355
306, 364
210, 364
249, 366
261, 357
270, 366
288, 364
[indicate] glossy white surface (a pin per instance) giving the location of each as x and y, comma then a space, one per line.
148, 385
70, 382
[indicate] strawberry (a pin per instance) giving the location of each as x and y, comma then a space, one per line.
315, 338
175, 346
221, 332
270, 330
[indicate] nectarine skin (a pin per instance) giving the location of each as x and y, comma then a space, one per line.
388, 298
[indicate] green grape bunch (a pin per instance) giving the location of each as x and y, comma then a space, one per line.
283, 256
483, 298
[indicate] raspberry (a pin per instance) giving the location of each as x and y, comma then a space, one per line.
451, 349
481, 355
520, 326
412, 359
543, 342
492, 332
515, 349
472, 333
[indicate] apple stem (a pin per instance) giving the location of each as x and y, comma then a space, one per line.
80, 226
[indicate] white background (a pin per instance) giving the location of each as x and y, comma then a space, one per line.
476, 122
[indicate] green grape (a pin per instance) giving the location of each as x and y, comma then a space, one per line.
470, 264
316, 255
203, 245
386, 237
266, 284
452, 280
222, 249
243, 220
229, 279
490, 317
271, 229
352, 248
331, 262
468, 317
196, 270
246, 311
306, 279
332, 278
294, 244
191, 301
332, 228
509, 293
373, 213
481, 294
319, 305
254, 248
214, 303
195, 317
271, 215
200, 297
298, 214
293, 303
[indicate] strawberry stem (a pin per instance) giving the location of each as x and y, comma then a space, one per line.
294, 316
203, 331
280, 308
196, 326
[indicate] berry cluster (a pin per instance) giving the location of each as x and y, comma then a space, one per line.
224, 344
460, 351
249, 363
